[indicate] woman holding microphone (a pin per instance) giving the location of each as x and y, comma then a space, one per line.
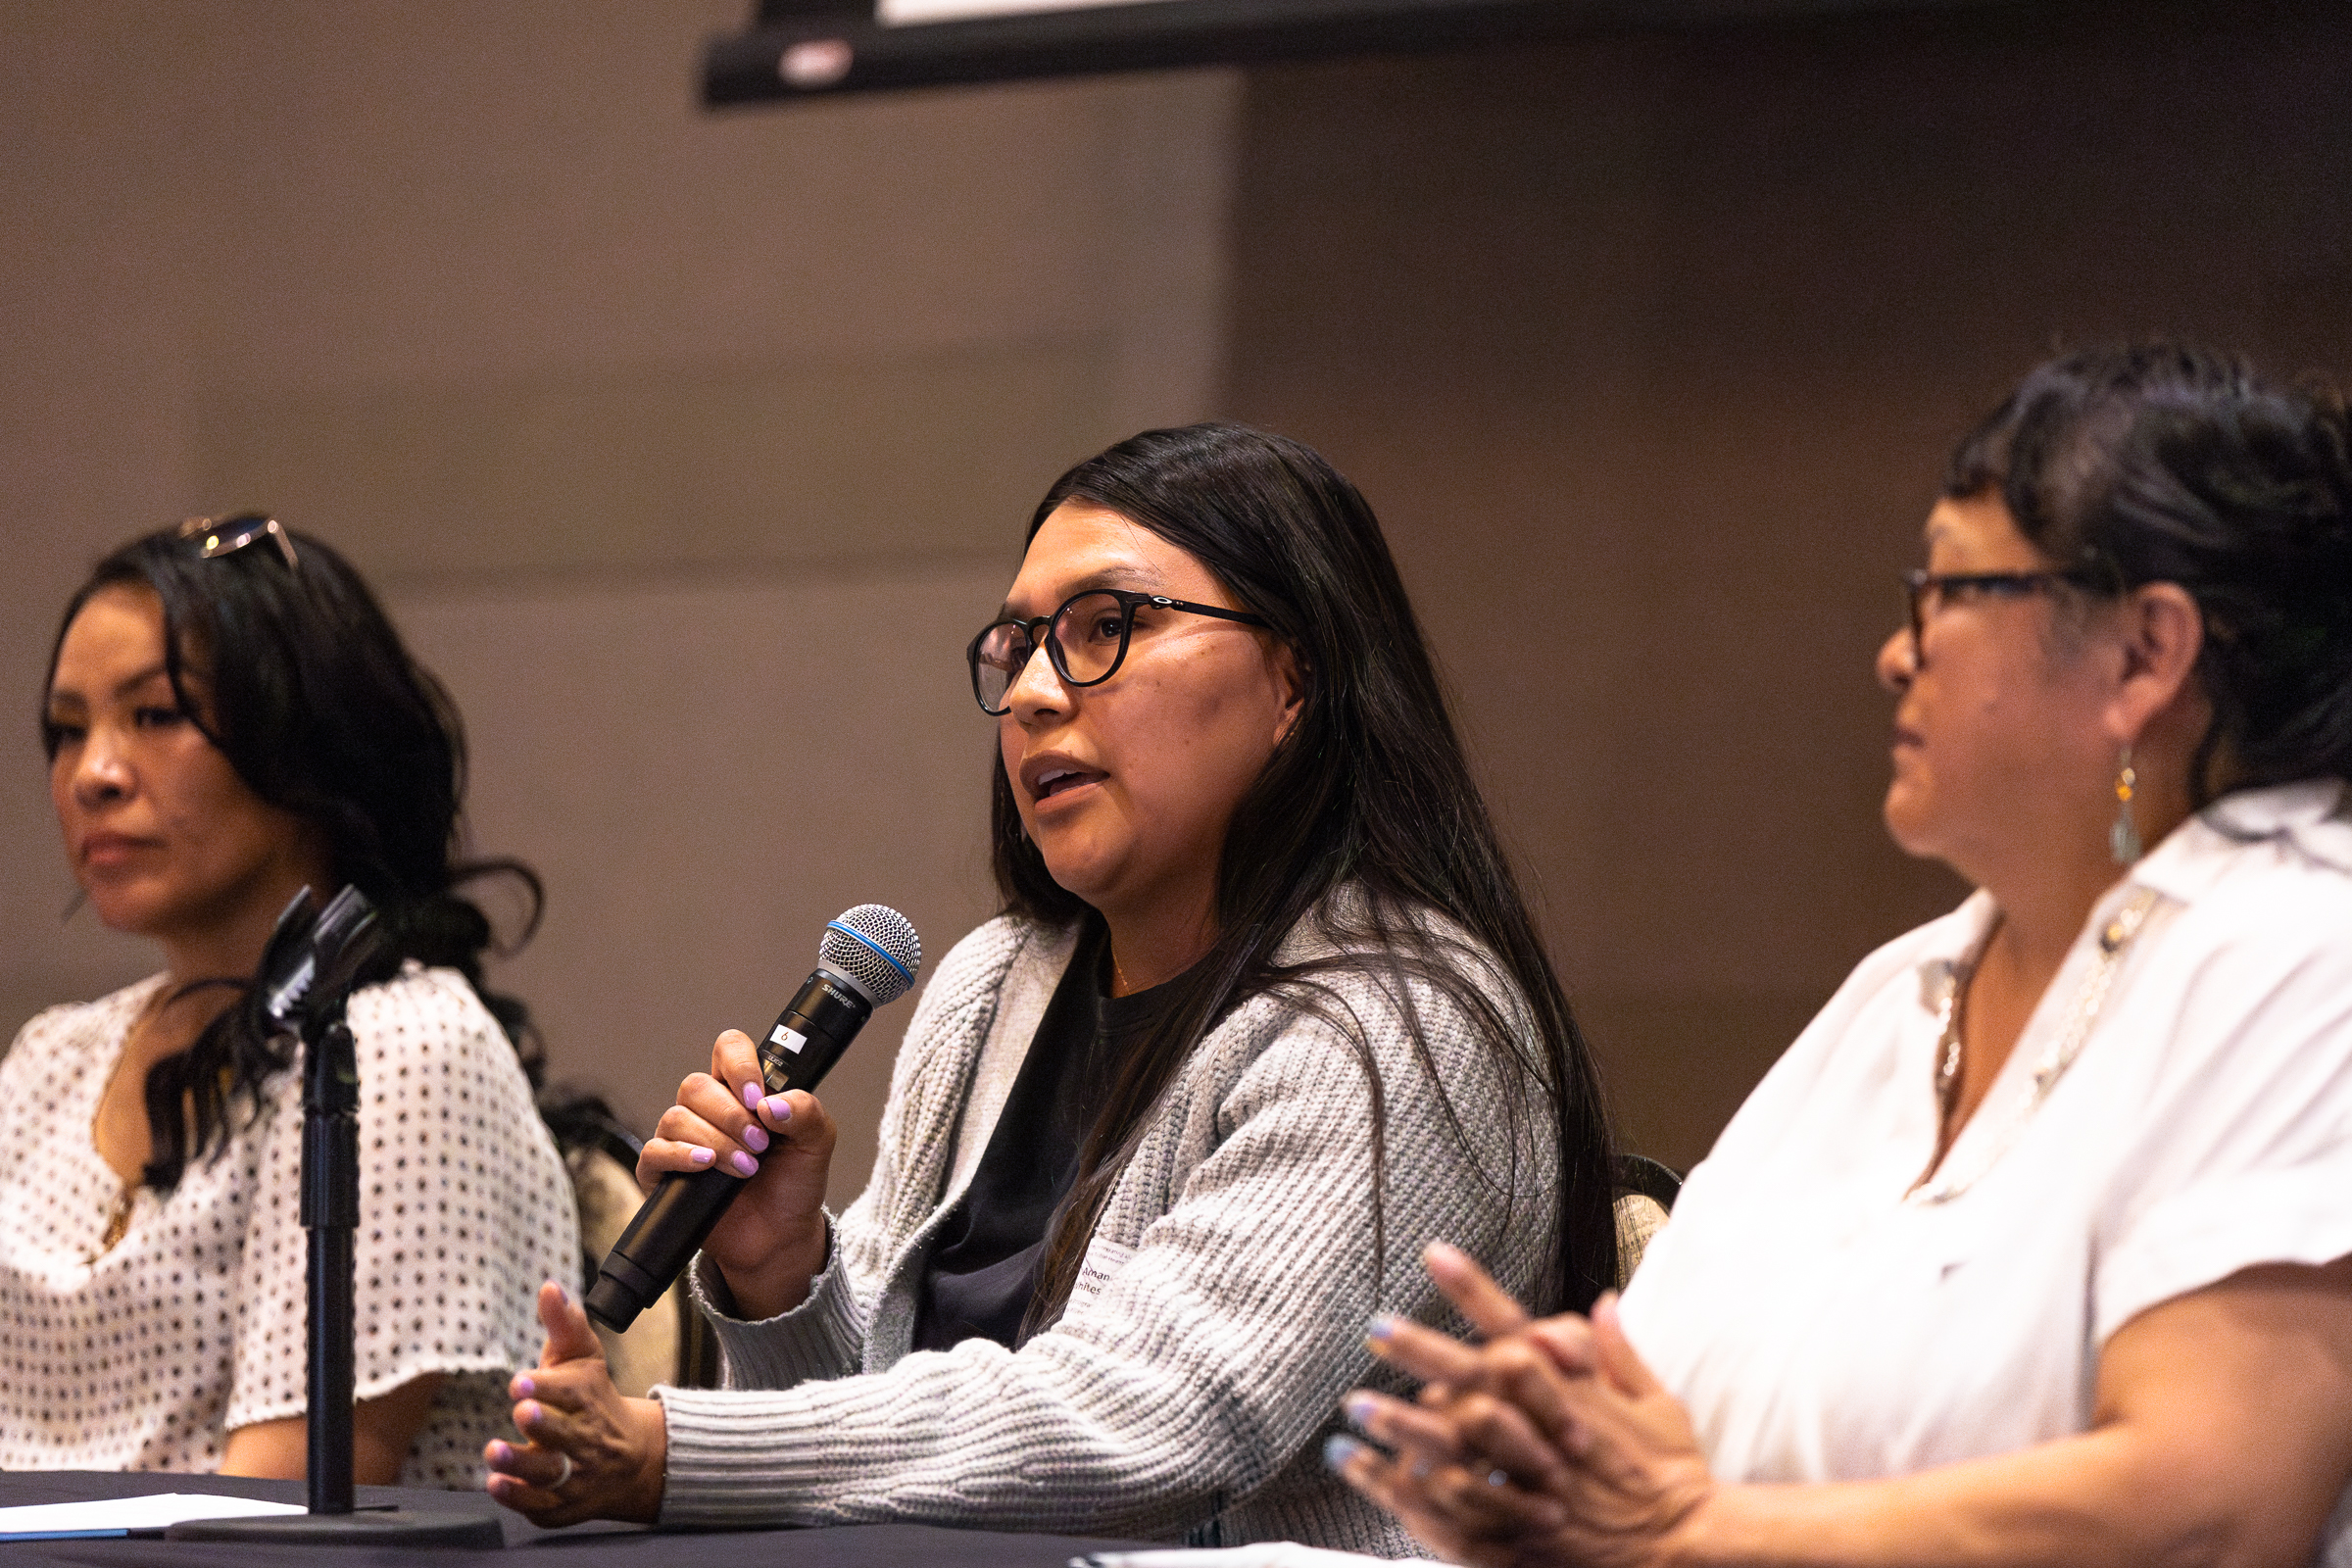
1264, 1014
2036, 1247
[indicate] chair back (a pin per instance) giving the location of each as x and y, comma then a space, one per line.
669, 1343
1645, 1195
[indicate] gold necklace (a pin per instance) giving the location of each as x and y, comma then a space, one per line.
117, 1222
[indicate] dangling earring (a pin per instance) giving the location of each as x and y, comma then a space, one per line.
2123, 839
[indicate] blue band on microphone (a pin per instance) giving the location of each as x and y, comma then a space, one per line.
879, 950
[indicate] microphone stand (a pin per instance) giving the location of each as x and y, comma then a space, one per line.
337, 945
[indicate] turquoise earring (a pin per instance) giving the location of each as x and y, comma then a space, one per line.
2123, 839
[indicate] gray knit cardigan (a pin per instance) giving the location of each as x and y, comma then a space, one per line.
1187, 1389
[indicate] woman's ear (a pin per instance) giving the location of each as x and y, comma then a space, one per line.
1289, 687
2161, 632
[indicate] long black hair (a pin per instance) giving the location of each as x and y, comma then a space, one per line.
2163, 462
1369, 796
310, 694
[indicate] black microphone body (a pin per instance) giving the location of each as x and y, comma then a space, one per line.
807, 1038
670, 1226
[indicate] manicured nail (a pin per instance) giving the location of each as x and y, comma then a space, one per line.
563, 1289
778, 1109
526, 1414
502, 1453
755, 1137
745, 1164
1359, 1408
1381, 1329
699, 1155
523, 1387
1339, 1448
750, 1096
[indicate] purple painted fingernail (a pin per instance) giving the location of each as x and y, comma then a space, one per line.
699, 1155
563, 1289
750, 1096
755, 1137
1339, 1448
502, 1453
1359, 1408
777, 1109
1381, 1329
745, 1164
526, 1414
524, 1388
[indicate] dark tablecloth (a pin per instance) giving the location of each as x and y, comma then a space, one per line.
591, 1546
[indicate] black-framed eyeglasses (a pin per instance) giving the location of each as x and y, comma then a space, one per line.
1086, 638
225, 536
1926, 591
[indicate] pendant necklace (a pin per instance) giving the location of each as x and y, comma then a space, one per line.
2115, 941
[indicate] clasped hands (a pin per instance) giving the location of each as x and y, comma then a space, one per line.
1549, 1442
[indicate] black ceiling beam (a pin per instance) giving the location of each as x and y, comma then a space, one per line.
806, 48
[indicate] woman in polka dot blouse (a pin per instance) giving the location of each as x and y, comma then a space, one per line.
229, 717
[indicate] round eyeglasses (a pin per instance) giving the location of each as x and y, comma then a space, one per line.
1086, 638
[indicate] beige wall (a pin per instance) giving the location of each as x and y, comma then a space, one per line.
1649, 351
689, 449
670, 434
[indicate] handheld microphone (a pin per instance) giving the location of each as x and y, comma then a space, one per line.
866, 958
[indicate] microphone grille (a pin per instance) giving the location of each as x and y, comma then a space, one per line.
874, 947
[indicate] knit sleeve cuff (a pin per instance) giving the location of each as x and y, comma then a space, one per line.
721, 1466
825, 1337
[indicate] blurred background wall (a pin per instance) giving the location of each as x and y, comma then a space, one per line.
1650, 349
690, 448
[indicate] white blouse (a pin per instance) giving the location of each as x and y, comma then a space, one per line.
143, 1357
1821, 1325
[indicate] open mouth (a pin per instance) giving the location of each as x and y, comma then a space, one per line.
1053, 781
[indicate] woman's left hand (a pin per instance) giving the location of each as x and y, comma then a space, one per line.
1551, 1443
592, 1454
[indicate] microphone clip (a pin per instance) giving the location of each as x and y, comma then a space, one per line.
315, 960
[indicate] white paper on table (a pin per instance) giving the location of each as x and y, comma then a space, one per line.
1264, 1554
118, 1516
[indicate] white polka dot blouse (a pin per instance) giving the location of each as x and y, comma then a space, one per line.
145, 1354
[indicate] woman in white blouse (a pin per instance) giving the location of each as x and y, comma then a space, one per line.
229, 717
2036, 1248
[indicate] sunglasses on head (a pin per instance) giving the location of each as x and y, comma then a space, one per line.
225, 536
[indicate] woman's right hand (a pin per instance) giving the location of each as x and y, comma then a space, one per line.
1551, 1443
771, 1241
